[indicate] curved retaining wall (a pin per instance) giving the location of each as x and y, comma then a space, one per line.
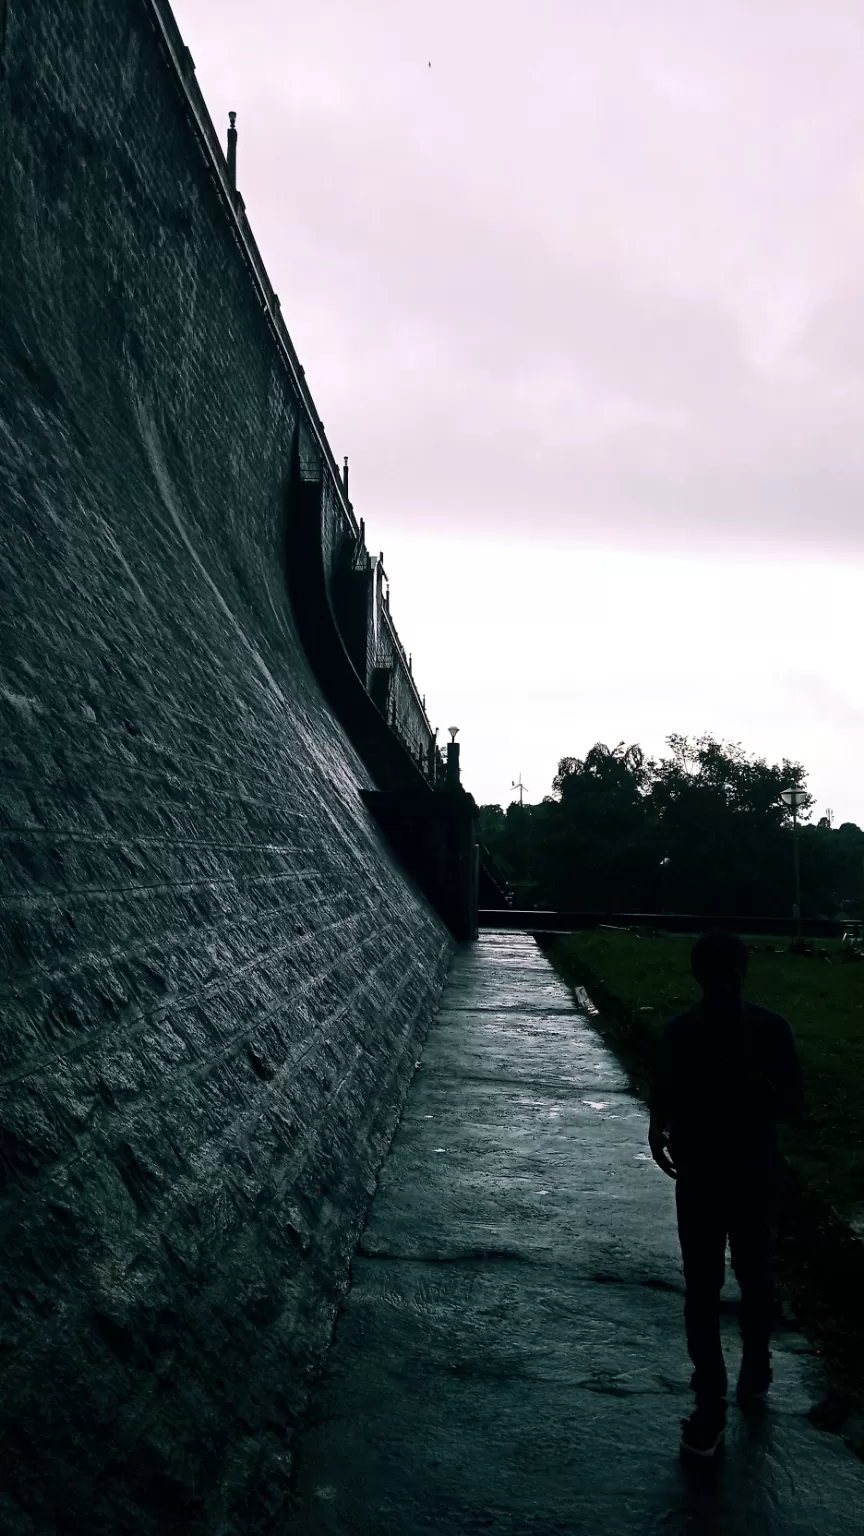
214, 978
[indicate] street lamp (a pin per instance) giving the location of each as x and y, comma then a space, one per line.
793, 798
664, 894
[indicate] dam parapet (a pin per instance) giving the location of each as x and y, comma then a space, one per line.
356, 580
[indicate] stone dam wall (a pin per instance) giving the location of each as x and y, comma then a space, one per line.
214, 978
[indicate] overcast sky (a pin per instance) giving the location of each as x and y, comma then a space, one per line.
579, 288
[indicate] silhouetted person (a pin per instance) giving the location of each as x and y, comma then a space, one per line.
727, 1072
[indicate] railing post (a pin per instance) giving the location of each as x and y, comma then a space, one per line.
453, 775
232, 151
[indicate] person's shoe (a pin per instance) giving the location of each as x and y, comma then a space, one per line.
702, 1434
754, 1381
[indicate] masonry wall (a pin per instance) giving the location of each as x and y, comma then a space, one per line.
213, 979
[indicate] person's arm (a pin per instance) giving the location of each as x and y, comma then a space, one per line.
660, 1106
785, 1075
777, 1081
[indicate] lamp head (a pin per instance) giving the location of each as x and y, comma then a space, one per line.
793, 797
454, 731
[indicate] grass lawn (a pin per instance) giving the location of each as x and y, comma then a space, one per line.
638, 983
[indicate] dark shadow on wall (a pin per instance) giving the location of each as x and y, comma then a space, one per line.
388, 763
4, 24
432, 832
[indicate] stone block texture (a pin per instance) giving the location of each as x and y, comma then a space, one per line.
213, 978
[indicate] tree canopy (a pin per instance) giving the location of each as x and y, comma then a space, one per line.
703, 828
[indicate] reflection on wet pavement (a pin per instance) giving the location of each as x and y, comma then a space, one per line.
511, 1356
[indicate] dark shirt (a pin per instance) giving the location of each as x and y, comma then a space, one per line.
723, 1080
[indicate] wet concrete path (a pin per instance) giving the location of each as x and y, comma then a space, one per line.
511, 1356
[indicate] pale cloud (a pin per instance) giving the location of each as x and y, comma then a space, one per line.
603, 262
594, 279
536, 652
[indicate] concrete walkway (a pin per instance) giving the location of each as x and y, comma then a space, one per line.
511, 1355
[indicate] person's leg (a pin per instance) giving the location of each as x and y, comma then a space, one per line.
752, 1220
702, 1233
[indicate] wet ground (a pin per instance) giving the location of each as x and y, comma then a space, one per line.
511, 1356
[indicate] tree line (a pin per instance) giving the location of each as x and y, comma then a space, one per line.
703, 828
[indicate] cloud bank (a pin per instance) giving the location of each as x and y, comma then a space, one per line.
596, 272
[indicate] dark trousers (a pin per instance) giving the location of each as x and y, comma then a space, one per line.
712, 1207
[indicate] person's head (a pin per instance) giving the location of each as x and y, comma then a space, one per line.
719, 962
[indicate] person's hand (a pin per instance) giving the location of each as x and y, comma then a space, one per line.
658, 1141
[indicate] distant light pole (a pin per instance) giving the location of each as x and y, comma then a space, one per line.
517, 784
793, 798
664, 889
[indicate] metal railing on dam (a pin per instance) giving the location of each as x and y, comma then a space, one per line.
400, 701
546, 921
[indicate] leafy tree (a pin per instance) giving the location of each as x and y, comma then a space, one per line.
702, 829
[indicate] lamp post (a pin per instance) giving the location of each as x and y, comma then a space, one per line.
453, 758
664, 890
793, 798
